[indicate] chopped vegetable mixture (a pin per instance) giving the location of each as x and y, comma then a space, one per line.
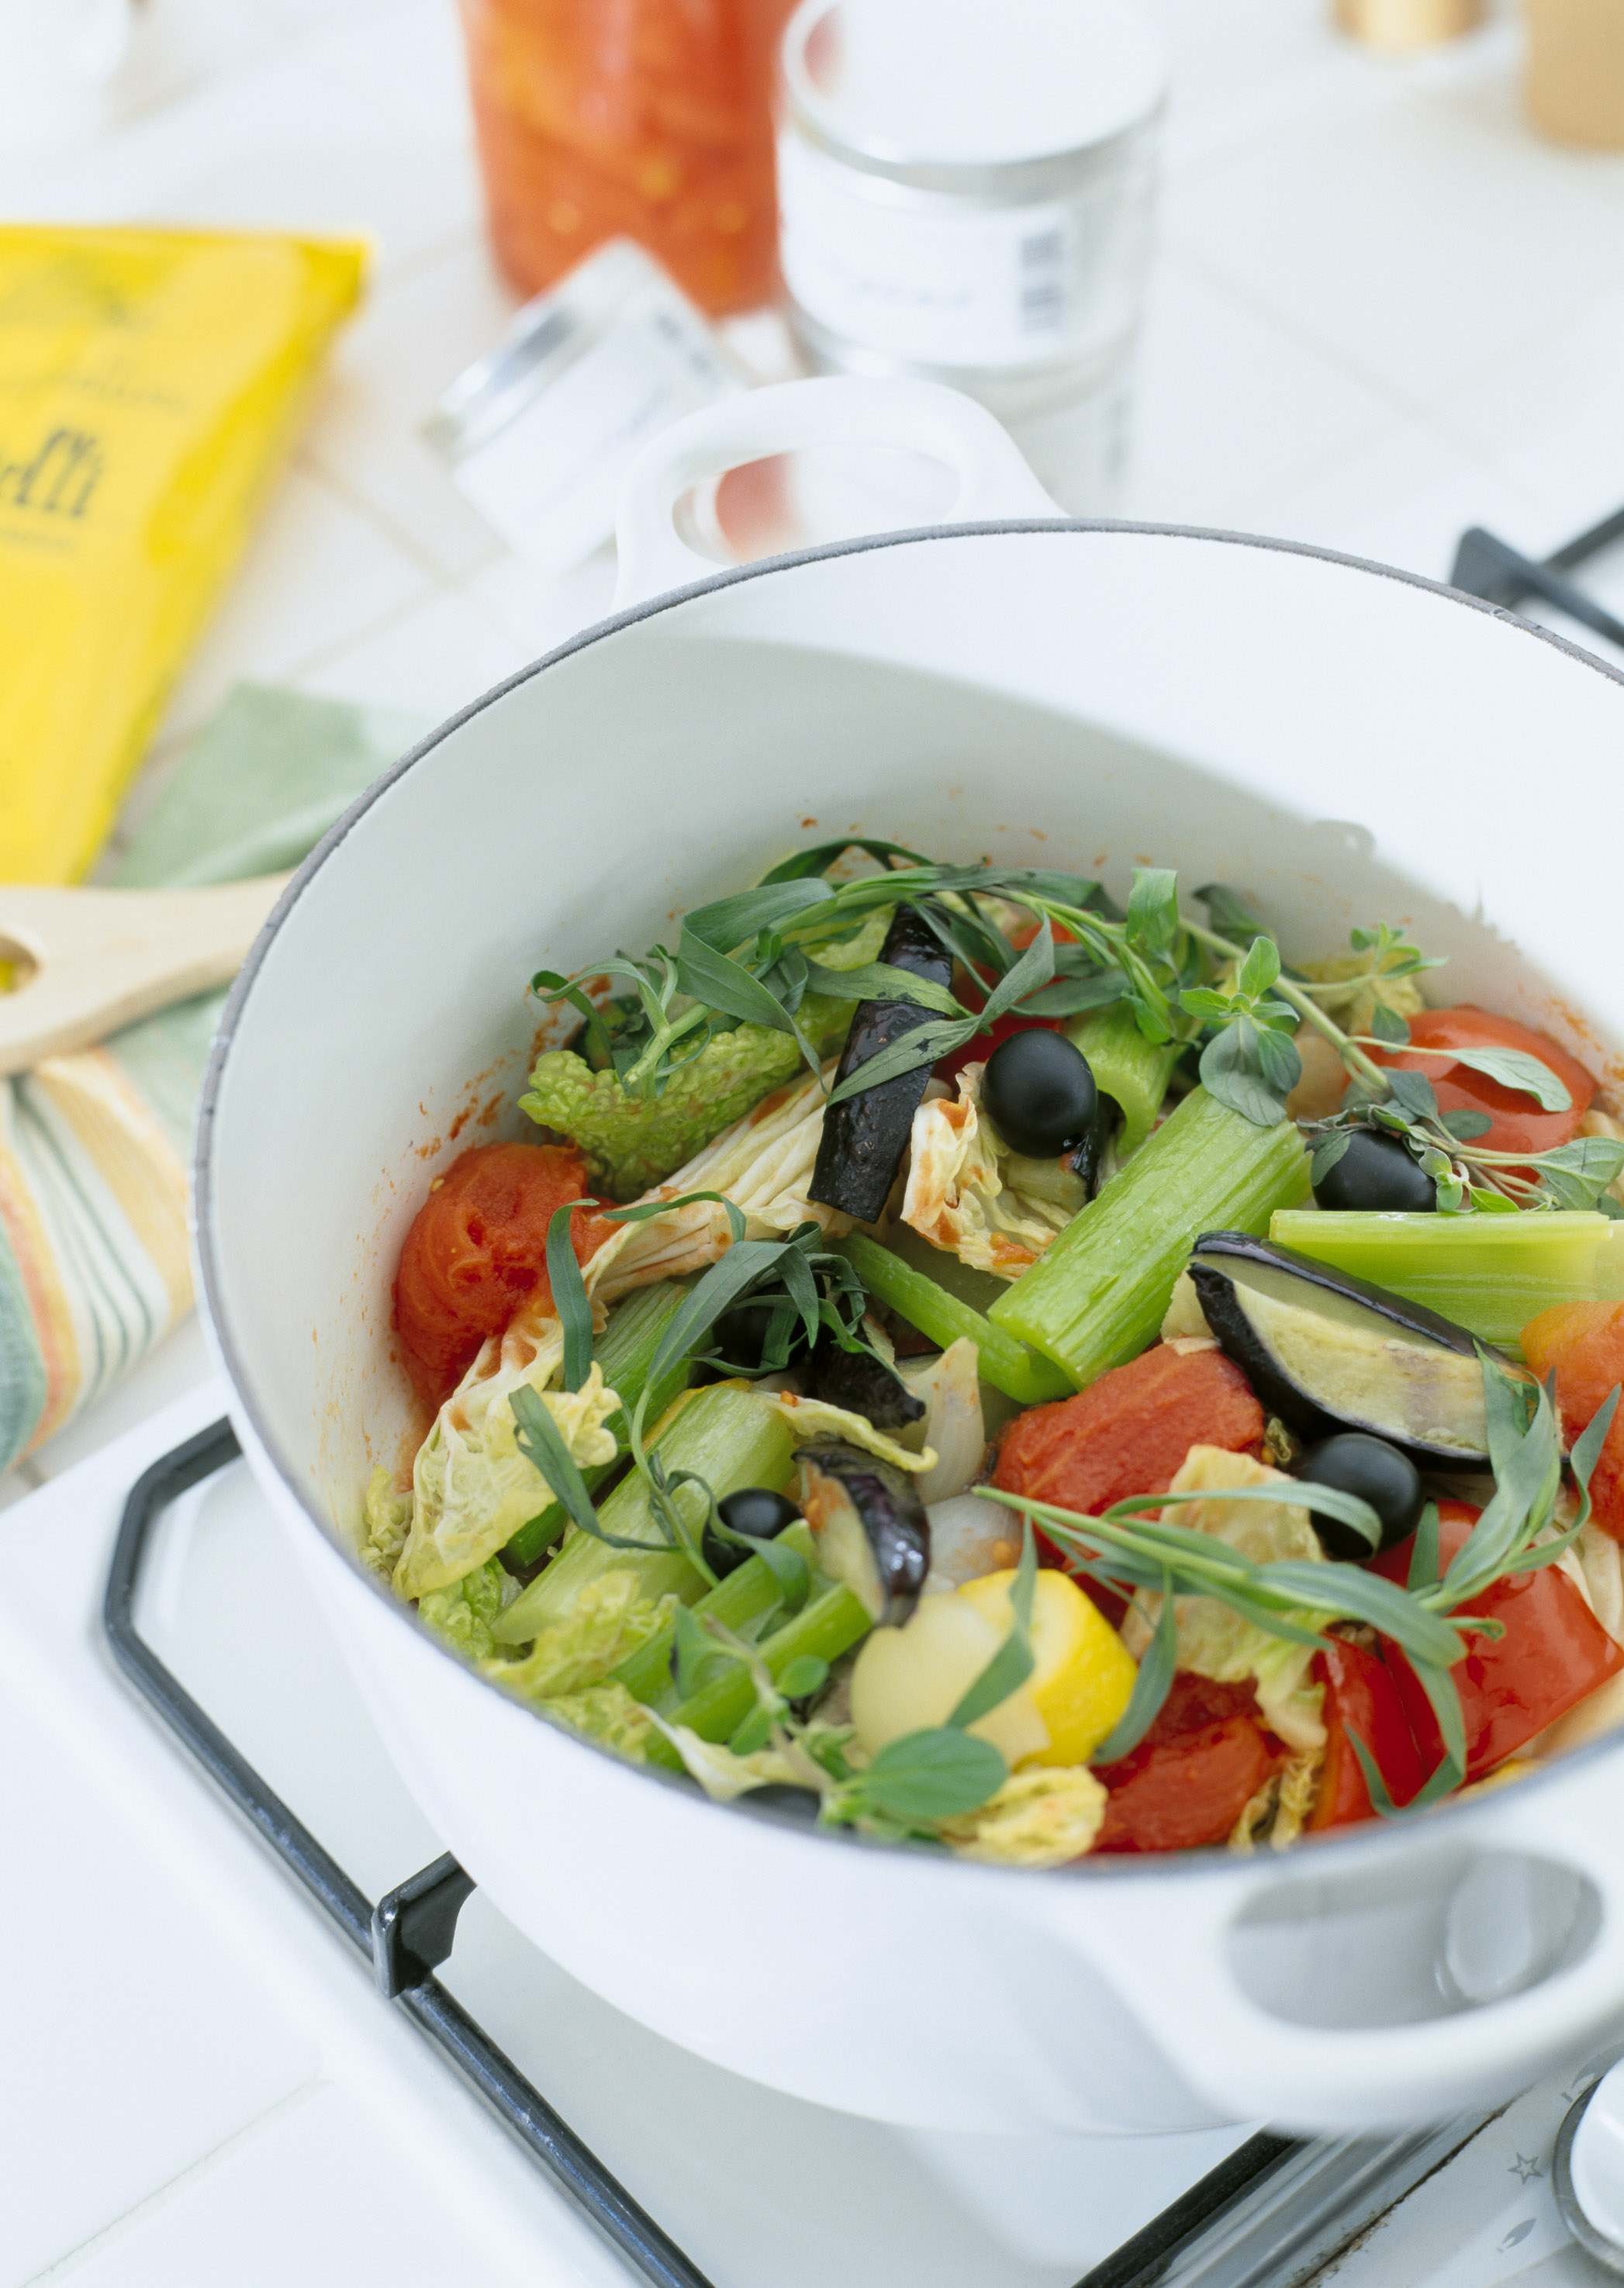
1027, 1377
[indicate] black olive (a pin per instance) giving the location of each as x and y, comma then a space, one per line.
753, 1510
802, 1805
1039, 1092
1355, 1463
1377, 1174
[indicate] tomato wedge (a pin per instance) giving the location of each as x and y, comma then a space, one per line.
1553, 1655
1582, 1344
1516, 1122
1128, 1432
477, 1252
1192, 1775
1361, 1698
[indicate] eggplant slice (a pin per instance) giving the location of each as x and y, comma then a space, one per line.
864, 1139
1328, 1352
860, 1382
871, 1527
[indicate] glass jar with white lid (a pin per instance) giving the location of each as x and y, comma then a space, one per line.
966, 192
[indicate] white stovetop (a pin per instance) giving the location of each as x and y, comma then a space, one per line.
1383, 310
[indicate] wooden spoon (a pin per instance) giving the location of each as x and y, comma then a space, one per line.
93, 960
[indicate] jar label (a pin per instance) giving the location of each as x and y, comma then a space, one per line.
935, 280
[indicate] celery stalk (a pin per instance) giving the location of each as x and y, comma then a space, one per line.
1130, 1070
1005, 1362
1098, 1294
728, 1436
742, 1596
625, 1351
1489, 1273
828, 1624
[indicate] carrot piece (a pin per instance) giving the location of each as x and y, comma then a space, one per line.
1583, 1345
1128, 1432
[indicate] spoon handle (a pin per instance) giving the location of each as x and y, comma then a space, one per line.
88, 961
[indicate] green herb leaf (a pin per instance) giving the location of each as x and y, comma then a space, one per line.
1035, 968
1072, 993
1230, 915
1387, 1025
1576, 1174
1463, 1125
542, 1443
1515, 1069
1260, 968
1587, 1447
1414, 1094
1014, 1661
1231, 1069
731, 922
882, 980
640, 1213
926, 1045
723, 983
934, 1775
802, 864
1423, 1556
754, 1733
1153, 908
569, 1297
803, 1676
1328, 1151
786, 1566
1151, 1687
696, 1657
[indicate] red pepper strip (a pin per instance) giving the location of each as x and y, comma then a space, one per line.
1553, 1655
1361, 1699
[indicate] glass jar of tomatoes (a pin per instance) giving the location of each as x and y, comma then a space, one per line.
649, 119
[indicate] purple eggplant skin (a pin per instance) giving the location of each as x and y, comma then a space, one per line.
836, 1478
864, 1139
1226, 1315
862, 1383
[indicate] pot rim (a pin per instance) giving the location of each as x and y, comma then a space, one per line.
1365, 1841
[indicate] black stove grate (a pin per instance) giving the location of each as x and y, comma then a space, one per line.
1488, 566
1271, 2213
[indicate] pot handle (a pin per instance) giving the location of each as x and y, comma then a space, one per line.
1172, 1961
922, 417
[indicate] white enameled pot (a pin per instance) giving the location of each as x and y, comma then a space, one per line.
1346, 744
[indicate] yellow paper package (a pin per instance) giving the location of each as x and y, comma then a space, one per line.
150, 383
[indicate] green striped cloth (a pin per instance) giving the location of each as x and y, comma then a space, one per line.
95, 1266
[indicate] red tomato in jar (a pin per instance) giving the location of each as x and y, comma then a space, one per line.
1518, 1124
476, 1253
1553, 1655
1362, 1699
1192, 1775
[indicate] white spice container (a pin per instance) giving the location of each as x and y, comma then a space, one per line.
965, 191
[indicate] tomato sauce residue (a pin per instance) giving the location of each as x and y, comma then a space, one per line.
477, 1254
